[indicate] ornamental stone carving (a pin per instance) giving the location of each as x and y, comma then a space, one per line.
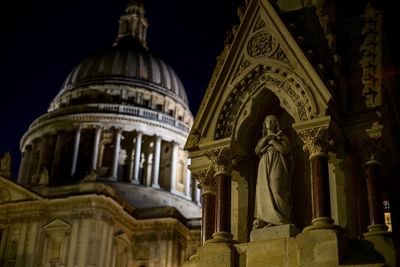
259, 24
205, 178
316, 140
244, 63
290, 92
222, 159
281, 56
261, 44
193, 139
371, 57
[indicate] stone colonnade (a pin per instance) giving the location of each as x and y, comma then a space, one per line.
215, 183
111, 153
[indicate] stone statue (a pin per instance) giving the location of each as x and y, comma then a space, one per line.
5, 165
273, 191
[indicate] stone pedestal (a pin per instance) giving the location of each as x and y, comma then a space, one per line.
274, 232
321, 247
217, 254
281, 252
382, 243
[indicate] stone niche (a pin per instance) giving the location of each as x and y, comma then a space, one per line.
248, 132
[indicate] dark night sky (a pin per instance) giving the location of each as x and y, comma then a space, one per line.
41, 41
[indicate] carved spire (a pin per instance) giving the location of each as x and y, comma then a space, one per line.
133, 23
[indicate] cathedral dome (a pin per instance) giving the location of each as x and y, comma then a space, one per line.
121, 117
127, 62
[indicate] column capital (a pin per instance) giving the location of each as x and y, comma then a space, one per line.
118, 129
98, 127
222, 159
316, 140
372, 146
205, 178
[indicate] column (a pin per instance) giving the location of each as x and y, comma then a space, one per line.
24, 157
76, 150
316, 141
197, 194
138, 147
375, 204
206, 181
222, 160
117, 148
156, 161
373, 172
188, 179
174, 162
43, 151
96, 143
27, 164
55, 168
21, 164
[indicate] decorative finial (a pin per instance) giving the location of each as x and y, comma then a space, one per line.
133, 23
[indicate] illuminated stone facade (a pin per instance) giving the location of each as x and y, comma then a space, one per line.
103, 179
321, 76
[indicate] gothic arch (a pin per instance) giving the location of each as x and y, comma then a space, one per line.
294, 95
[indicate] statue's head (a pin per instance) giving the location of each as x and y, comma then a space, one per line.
271, 123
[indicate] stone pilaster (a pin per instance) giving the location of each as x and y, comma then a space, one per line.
206, 183
316, 142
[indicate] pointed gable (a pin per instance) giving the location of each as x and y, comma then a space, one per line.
263, 54
57, 225
12, 192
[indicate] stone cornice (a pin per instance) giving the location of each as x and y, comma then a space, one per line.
95, 207
117, 120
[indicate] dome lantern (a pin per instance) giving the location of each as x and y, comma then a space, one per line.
133, 23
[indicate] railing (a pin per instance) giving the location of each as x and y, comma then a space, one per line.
193, 223
118, 109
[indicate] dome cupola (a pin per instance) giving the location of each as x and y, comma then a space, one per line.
127, 62
121, 117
